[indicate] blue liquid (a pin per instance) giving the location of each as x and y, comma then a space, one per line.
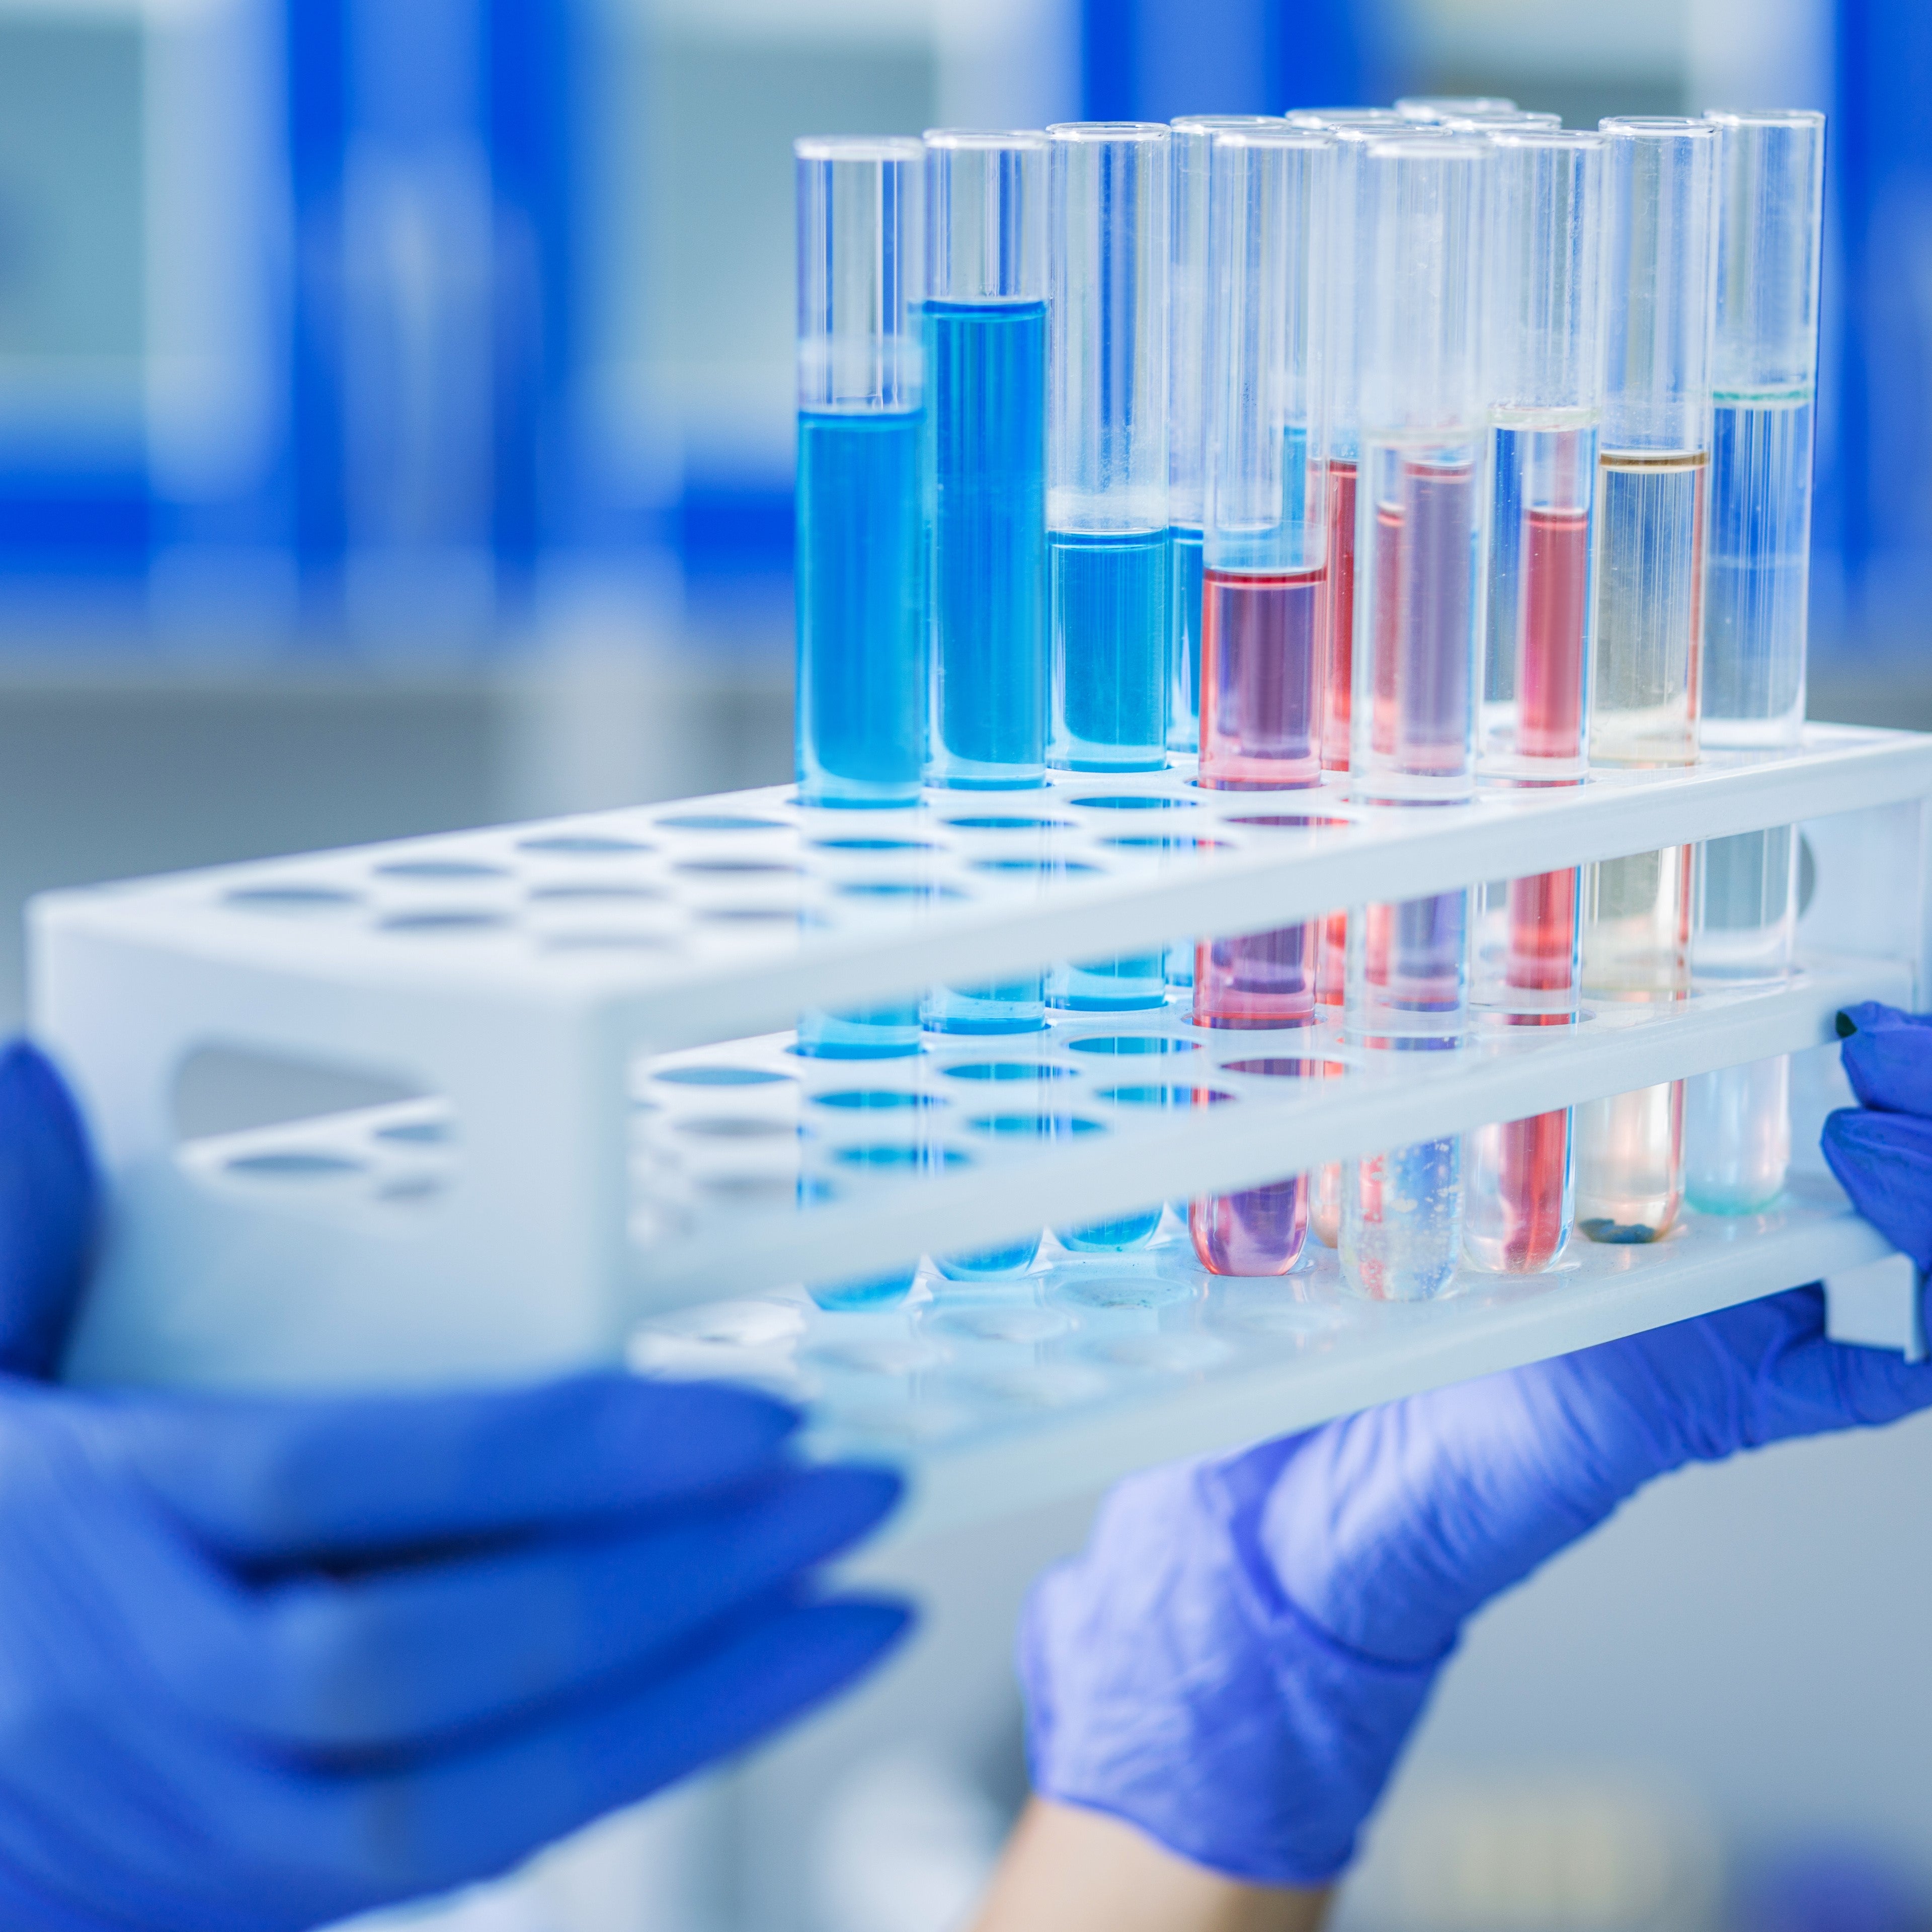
986, 392
1183, 657
861, 1033
1128, 983
987, 1263
1110, 645
881, 1291
1130, 1231
1757, 573
1012, 1006
862, 645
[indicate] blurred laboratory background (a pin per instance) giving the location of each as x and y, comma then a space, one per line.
395, 434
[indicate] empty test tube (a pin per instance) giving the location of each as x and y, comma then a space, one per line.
1421, 564
861, 642
1189, 412
1653, 471
985, 344
1545, 257
1764, 370
1264, 593
1107, 513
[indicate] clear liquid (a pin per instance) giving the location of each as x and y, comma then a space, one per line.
986, 394
1261, 661
1737, 1121
1636, 947
1541, 613
1338, 632
1110, 605
1184, 663
1737, 1135
1401, 1232
1759, 579
1650, 610
862, 632
1418, 541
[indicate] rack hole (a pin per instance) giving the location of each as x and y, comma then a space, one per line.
722, 821
718, 1076
441, 869
900, 1154
736, 1127
1164, 1094
1009, 823
866, 1098
293, 1164
585, 845
434, 925
1007, 1069
1136, 801
1038, 1127
291, 899
1132, 1045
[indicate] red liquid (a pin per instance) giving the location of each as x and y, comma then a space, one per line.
1339, 640
1258, 1231
1260, 979
1261, 657
1331, 959
1550, 670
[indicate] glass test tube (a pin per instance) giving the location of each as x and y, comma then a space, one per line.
1420, 557
1546, 248
1652, 473
1425, 108
1107, 517
1764, 371
1264, 595
985, 345
1188, 408
861, 646
862, 642
1352, 129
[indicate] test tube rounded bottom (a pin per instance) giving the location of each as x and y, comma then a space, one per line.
1016, 1005
874, 1291
988, 1264
1737, 1137
1630, 1164
1127, 983
861, 1033
1517, 1220
1324, 1204
1105, 1238
1402, 1221
1257, 1231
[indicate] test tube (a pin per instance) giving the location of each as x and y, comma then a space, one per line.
1188, 409
986, 355
1546, 252
1425, 108
1652, 471
1264, 593
1107, 516
1352, 129
1420, 558
861, 644
1764, 372
1107, 513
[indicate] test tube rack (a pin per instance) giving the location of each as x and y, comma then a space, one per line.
613, 1153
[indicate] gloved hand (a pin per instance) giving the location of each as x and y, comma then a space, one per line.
1882, 1152
264, 1664
1235, 1663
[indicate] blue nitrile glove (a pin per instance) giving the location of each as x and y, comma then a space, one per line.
1236, 1661
1882, 1152
264, 1664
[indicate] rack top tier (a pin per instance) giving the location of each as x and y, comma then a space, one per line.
708, 919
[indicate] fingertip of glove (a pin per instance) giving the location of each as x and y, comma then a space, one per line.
850, 1498
851, 1633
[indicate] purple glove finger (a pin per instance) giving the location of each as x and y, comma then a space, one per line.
1888, 1057
1884, 1163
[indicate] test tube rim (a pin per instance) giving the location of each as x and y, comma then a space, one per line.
1097, 133
1351, 117
1218, 123
1408, 147
1441, 103
987, 140
1766, 117
1676, 126
858, 148
1311, 140
1549, 137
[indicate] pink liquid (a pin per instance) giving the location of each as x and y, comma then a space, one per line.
1325, 1209
1338, 671
1260, 654
1257, 1231
1550, 670
1260, 979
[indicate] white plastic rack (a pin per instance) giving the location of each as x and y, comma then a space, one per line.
611, 1148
